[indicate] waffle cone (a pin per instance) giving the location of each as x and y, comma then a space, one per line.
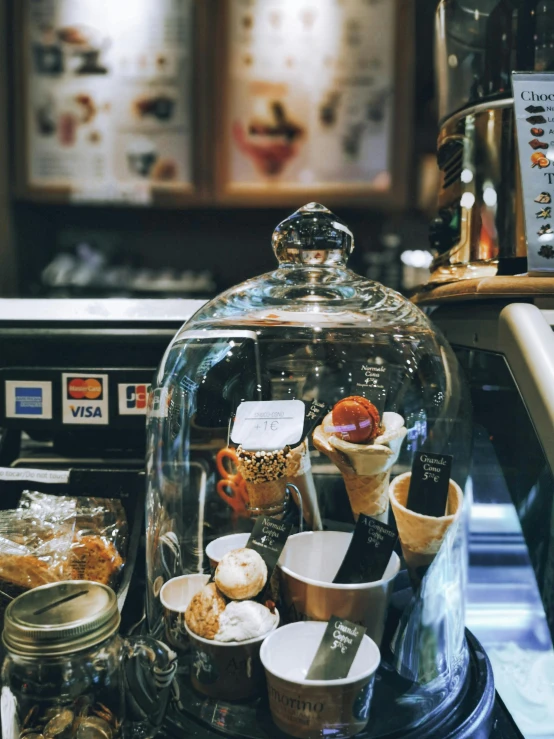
367, 494
266, 494
421, 536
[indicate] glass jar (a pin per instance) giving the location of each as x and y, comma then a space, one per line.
67, 672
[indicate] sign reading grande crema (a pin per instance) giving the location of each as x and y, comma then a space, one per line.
534, 111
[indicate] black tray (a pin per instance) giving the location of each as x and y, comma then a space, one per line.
475, 715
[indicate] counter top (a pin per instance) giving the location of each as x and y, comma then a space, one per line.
486, 288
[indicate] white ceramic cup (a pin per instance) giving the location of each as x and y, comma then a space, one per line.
217, 548
308, 567
309, 709
175, 596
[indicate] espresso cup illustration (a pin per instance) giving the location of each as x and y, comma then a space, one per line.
310, 709
307, 568
141, 156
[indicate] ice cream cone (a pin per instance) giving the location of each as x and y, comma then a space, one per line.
265, 476
365, 468
262, 495
421, 536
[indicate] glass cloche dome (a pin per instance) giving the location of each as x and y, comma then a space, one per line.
301, 396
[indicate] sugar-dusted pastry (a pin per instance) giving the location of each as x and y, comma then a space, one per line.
204, 610
241, 574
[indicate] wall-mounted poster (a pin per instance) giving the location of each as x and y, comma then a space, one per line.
108, 96
313, 95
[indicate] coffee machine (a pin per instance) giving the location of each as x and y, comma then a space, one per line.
479, 227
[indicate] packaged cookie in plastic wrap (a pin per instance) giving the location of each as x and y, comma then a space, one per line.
33, 552
100, 532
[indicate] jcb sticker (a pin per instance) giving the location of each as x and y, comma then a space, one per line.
133, 399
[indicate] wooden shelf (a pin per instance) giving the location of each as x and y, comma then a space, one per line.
486, 288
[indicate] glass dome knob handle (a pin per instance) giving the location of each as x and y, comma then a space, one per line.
313, 235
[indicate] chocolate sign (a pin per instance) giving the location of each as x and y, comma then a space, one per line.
369, 552
370, 381
428, 493
268, 538
337, 650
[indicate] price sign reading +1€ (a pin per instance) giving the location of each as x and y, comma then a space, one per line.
266, 425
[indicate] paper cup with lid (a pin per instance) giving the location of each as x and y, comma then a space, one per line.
310, 709
308, 566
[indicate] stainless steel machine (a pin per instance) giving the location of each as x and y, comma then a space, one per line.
478, 230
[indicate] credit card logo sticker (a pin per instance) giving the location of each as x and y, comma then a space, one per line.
133, 399
89, 388
85, 411
85, 399
28, 399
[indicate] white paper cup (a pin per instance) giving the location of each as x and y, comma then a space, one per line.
227, 670
309, 709
308, 567
175, 596
217, 548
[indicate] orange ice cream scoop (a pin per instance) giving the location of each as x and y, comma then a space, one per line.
356, 420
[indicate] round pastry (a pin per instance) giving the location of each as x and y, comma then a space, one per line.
203, 612
241, 574
356, 420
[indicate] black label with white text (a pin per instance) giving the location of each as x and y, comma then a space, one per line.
337, 650
369, 552
429, 483
370, 381
268, 538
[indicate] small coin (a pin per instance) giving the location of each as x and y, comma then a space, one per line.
94, 728
57, 725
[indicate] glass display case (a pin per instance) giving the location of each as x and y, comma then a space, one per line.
253, 380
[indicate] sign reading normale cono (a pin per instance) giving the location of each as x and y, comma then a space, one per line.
534, 112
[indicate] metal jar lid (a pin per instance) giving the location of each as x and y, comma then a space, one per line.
60, 618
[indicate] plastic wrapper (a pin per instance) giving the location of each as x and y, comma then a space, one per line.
33, 552
99, 543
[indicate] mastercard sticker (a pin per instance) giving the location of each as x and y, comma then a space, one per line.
84, 398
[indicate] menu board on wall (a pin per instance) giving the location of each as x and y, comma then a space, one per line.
311, 95
108, 95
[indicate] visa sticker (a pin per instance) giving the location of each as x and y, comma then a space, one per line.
84, 398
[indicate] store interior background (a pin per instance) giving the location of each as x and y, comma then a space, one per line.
225, 245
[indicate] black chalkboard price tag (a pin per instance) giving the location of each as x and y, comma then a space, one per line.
369, 380
316, 410
369, 552
337, 650
268, 538
428, 493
